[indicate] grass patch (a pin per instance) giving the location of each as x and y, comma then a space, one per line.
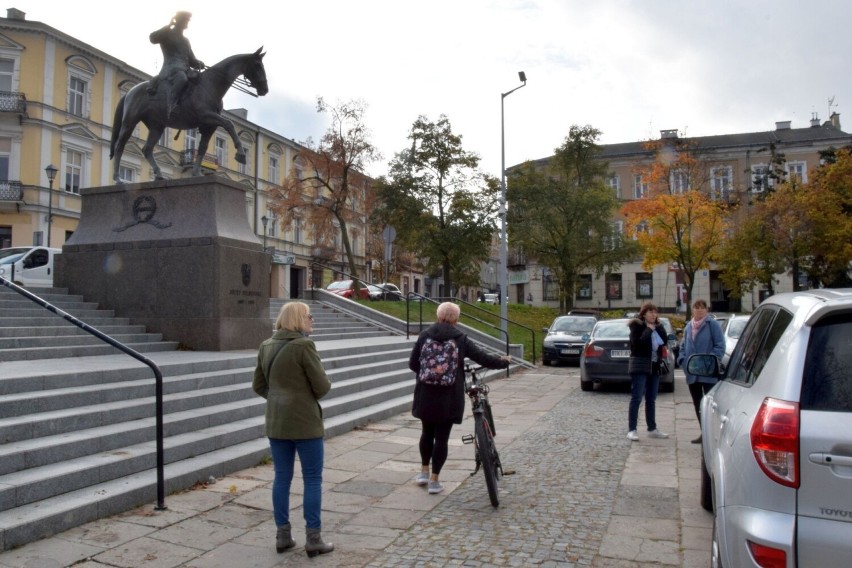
485, 318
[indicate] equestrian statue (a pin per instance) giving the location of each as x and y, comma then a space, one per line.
184, 95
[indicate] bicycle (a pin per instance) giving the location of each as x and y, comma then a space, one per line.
485, 451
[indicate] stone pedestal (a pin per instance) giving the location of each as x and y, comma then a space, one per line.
178, 256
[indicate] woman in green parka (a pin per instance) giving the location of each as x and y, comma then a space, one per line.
290, 376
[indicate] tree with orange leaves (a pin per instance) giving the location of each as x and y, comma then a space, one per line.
676, 222
330, 192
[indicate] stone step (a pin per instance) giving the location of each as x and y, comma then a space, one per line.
48, 319
66, 330
47, 342
36, 353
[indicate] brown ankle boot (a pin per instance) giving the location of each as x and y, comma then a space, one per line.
315, 545
283, 538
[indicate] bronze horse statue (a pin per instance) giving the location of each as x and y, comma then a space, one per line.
199, 107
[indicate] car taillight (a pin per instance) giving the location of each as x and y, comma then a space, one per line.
766, 556
593, 350
775, 441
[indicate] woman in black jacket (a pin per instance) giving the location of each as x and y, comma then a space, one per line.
439, 406
647, 339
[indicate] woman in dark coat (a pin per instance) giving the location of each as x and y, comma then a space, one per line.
647, 339
439, 407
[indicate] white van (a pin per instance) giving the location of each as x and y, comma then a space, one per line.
28, 266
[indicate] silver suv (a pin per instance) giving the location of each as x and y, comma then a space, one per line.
777, 436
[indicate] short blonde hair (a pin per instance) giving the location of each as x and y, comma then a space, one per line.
448, 312
292, 316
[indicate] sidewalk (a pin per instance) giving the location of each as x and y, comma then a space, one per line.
580, 494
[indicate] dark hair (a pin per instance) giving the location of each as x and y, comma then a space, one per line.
699, 303
646, 307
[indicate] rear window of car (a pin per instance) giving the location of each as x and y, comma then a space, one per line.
612, 330
827, 383
574, 324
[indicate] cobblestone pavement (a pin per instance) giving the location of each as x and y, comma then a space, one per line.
578, 493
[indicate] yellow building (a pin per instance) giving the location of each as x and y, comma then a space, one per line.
57, 99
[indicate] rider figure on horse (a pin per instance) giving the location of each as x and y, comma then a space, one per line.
179, 63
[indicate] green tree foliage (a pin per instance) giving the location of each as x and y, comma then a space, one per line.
561, 213
441, 205
802, 229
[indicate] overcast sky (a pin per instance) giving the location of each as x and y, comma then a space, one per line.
628, 68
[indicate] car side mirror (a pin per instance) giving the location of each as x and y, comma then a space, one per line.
545, 329
586, 336
704, 365
672, 337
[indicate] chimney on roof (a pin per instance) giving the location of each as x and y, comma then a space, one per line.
671, 133
15, 14
814, 120
782, 125
835, 120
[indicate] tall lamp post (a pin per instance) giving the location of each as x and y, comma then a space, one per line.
51, 175
263, 221
504, 243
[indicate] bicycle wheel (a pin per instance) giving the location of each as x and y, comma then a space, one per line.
488, 456
490, 418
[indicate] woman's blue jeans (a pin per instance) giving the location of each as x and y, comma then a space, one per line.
311, 454
643, 384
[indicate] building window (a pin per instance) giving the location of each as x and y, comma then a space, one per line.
127, 174
644, 285
551, 286
7, 73
640, 187
760, 179
613, 286
798, 171
297, 230
76, 96
164, 138
720, 183
5, 153
679, 182
613, 239
73, 171
221, 151
273, 169
614, 182
190, 138
584, 287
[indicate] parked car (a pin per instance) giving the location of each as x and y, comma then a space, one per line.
28, 266
386, 291
565, 338
776, 465
673, 345
733, 330
346, 288
607, 352
491, 298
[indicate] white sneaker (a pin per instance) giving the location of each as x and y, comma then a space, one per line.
657, 434
435, 487
422, 478
633, 436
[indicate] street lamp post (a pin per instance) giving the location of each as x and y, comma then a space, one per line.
263, 221
51, 175
504, 244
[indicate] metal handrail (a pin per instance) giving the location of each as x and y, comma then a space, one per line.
158, 394
414, 296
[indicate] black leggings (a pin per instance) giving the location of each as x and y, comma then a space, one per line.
698, 390
433, 444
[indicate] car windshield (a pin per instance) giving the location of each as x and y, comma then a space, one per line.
340, 285
736, 327
612, 330
574, 325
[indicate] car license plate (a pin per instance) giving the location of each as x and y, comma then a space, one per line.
620, 354
570, 351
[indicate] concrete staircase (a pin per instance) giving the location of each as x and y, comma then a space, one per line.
29, 332
77, 427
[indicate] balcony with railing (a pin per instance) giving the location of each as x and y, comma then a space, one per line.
13, 102
11, 190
